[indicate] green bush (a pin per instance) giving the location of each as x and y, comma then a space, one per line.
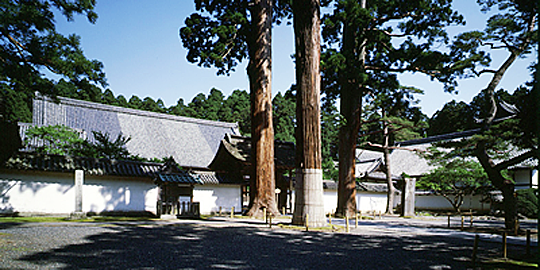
527, 202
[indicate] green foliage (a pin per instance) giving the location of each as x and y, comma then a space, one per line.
284, 116
236, 109
330, 123
104, 147
393, 108
452, 117
527, 202
62, 140
219, 34
454, 178
57, 139
29, 44
388, 37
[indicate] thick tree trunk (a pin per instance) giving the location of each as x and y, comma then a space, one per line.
309, 188
262, 188
506, 186
351, 109
348, 135
386, 154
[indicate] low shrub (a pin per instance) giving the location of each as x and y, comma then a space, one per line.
527, 202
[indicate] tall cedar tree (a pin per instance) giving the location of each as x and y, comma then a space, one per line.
514, 29
309, 205
377, 39
29, 44
222, 34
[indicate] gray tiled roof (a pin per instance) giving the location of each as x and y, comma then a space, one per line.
409, 161
91, 166
367, 161
213, 178
238, 148
192, 142
360, 186
182, 178
197, 177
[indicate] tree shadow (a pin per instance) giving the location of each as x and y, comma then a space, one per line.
202, 246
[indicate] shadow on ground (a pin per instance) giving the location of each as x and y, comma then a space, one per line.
183, 246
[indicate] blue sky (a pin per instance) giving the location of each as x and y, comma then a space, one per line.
138, 42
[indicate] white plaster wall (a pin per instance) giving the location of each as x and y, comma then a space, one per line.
365, 202
432, 202
330, 201
106, 194
53, 193
29, 193
370, 202
211, 197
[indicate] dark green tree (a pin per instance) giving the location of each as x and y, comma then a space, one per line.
104, 147
30, 44
179, 109
135, 103
330, 121
454, 179
57, 140
148, 104
122, 101
108, 98
514, 29
236, 109
453, 117
367, 41
213, 104
284, 107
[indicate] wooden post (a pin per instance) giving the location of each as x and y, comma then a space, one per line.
307, 222
232, 212
264, 215
504, 245
283, 210
528, 245
220, 211
448, 221
270, 219
330, 219
516, 227
462, 220
347, 222
472, 219
475, 248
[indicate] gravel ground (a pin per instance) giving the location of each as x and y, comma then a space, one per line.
391, 243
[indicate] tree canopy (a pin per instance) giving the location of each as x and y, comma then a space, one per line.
454, 177
31, 48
